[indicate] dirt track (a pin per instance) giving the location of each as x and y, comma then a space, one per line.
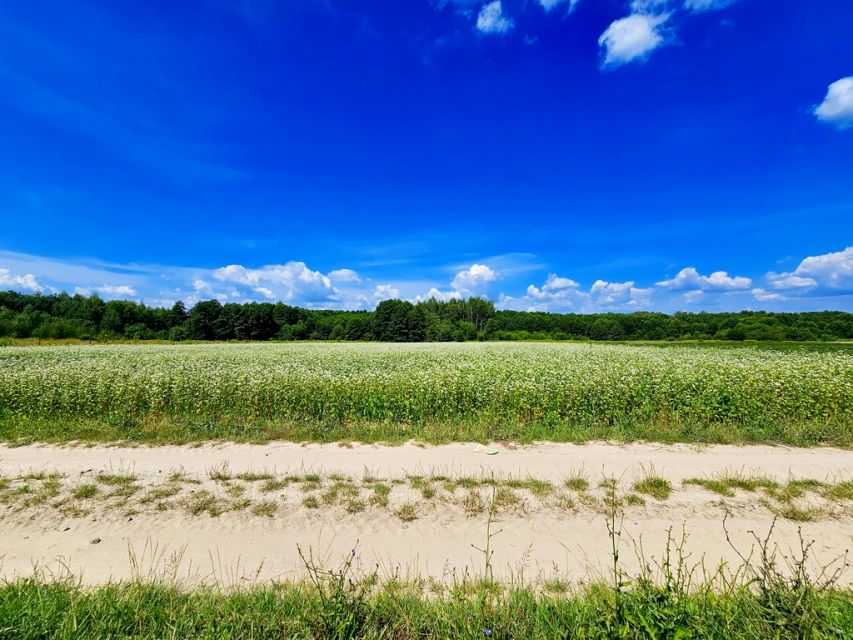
536, 539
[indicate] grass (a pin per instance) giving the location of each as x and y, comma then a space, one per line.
64, 611
798, 488
219, 472
250, 476
265, 508
840, 491
749, 483
160, 493
576, 483
654, 486
381, 493
473, 494
632, 499
407, 512
790, 511
355, 505
84, 491
116, 479
473, 503
181, 477
203, 502
507, 498
716, 486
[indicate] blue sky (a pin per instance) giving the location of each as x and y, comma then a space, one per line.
568, 155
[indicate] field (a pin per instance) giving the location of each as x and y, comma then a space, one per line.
433, 392
336, 491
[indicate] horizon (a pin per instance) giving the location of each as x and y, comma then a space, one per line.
570, 156
188, 307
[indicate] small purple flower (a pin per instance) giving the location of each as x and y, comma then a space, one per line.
487, 632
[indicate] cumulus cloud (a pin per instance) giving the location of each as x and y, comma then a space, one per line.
763, 295
632, 38
344, 275
837, 106
385, 292
492, 20
607, 294
474, 279
555, 288
690, 279
290, 281
437, 294
564, 294
832, 271
117, 291
27, 281
790, 281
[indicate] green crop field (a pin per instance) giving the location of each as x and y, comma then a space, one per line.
431, 392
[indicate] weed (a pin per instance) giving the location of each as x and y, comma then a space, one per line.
84, 491
381, 493
717, 486
160, 493
116, 479
250, 476
407, 512
220, 472
655, 486
576, 483
265, 508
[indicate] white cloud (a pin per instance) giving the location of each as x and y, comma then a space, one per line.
344, 275
692, 297
783, 281
291, 281
202, 287
551, 4
766, 296
827, 271
385, 292
606, 294
117, 291
707, 5
564, 294
474, 279
492, 20
442, 296
648, 6
632, 38
27, 281
555, 288
689, 278
837, 106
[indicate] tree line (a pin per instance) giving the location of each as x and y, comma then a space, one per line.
62, 316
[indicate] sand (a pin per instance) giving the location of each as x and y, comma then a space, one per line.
534, 543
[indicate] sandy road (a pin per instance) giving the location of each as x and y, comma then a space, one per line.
538, 542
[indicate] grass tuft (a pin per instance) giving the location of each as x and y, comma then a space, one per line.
654, 486
266, 508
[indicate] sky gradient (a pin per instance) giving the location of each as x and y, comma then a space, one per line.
565, 155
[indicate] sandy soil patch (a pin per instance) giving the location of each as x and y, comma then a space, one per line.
540, 537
